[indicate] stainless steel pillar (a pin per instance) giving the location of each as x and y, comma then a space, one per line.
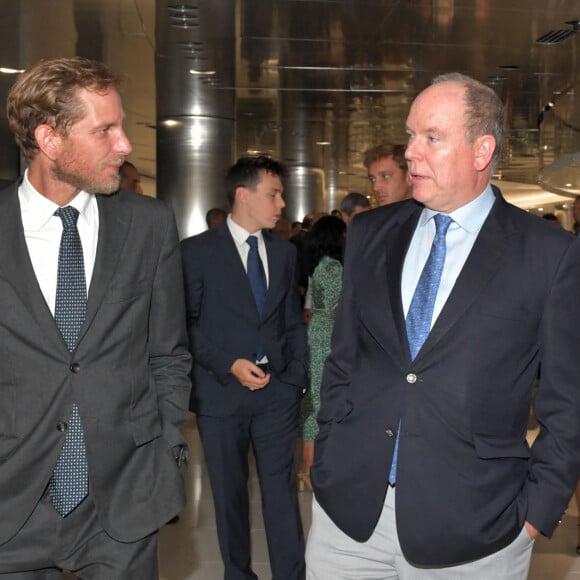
195, 112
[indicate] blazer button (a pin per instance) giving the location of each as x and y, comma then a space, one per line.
75, 368
411, 378
62, 426
390, 432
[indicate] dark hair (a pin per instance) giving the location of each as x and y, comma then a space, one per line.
352, 200
246, 172
307, 221
214, 214
47, 93
326, 238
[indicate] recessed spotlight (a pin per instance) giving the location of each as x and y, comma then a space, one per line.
11, 71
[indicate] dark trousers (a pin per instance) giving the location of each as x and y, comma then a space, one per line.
269, 424
47, 544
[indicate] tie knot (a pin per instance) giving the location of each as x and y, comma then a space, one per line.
442, 223
69, 216
252, 242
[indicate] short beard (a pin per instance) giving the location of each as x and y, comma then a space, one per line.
84, 183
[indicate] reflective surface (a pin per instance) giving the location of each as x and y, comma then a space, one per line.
312, 82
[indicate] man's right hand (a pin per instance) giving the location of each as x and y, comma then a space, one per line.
249, 375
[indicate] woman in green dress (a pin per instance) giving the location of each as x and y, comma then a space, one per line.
326, 242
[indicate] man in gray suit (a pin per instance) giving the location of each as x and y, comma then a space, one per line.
92, 398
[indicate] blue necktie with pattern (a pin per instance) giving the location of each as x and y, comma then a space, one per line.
420, 312
69, 484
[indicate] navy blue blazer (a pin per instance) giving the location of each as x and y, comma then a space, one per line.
466, 478
224, 324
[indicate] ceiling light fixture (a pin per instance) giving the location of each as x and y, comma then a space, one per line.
207, 73
11, 71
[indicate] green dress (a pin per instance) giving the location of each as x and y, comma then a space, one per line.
324, 287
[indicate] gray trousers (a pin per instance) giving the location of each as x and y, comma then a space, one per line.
332, 554
48, 544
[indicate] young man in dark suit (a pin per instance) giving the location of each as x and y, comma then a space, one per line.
450, 303
248, 338
94, 362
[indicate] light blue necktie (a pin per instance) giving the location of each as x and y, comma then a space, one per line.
69, 484
420, 312
257, 278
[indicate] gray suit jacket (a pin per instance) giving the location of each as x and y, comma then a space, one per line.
128, 374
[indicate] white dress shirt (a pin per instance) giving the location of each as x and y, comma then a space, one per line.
240, 236
461, 235
43, 231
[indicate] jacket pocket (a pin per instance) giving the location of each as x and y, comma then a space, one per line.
496, 447
146, 428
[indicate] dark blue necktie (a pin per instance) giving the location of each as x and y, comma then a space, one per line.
420, 312
69, 484
257, 278
256, 275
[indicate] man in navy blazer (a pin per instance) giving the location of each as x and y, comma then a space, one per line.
422, 469
249, 371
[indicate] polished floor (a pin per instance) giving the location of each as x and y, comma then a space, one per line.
189, 549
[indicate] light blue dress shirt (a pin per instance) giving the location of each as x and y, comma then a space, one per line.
463, 231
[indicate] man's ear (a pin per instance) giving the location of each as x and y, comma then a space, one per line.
483, 150
241, 194
48, 140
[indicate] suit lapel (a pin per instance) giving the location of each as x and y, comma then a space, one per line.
379, 287
16, 266
276, 270
234, 268
397, 244
114, 224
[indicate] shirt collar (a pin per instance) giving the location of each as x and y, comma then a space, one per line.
469, 217
240, 234
39, 209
